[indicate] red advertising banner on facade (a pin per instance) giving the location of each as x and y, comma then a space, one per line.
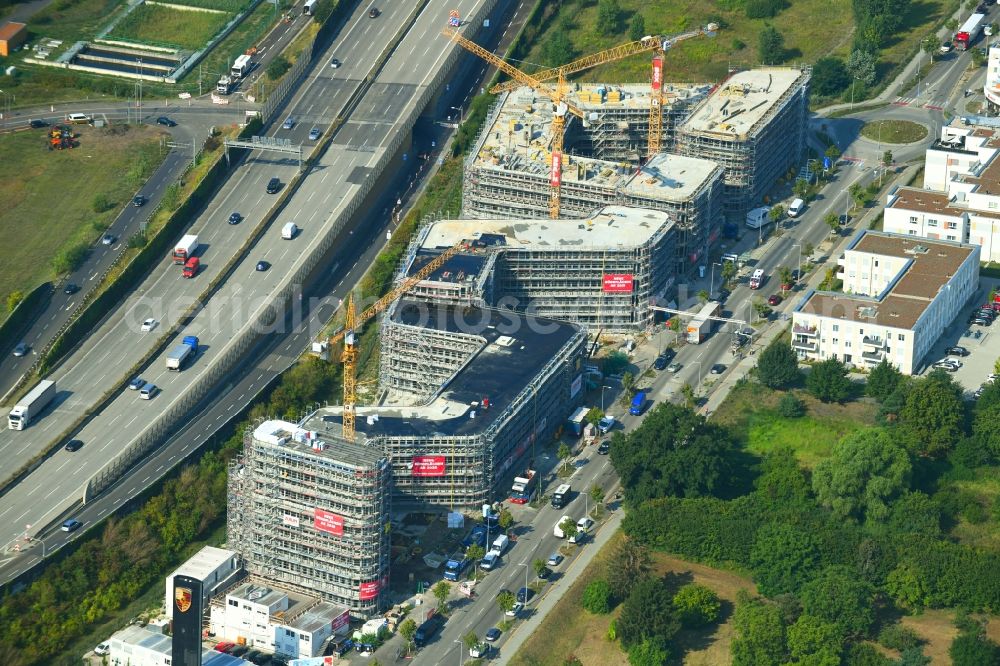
618, 283
328, 522
342, 621
428, 465
556, 176
657, 73
369, 591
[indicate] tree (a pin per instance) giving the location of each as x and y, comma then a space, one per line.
951, 24
986, 428
506, 519
829, 76
538, 566
594, 416
14, 299
916, 513
648, 653
827, 381
609, 17
637, 28
784, 276
728, 272
815, 641
506, 601
759, 638
777, 366
687, 392
866, 654
648, 614
470, 640
407, 629
597, 597
782, 557
568, 528
597, 494
557, 48
931, 419
696, 605
277, 67
771, 46
475, 552
791, 407
763, 8
865, 473
101, 203
833, 152
629, 563
883, 380
760, 306
674, 451
808, 249
801, 188
564, 453
887, 159
861, 66
628, 386
930, 45
973, 650
704, 296
441, 592
838, 596
776, 214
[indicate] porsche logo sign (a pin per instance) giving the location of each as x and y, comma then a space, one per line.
182, 598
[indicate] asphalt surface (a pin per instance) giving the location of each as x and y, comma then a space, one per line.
58, 481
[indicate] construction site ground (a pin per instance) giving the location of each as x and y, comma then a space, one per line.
32, 177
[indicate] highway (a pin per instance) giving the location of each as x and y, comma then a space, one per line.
57, 482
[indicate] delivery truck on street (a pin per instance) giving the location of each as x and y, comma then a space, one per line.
28, 407
182, 352
524, 487
700, 326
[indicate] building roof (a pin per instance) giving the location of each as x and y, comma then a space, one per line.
612, 227
284, 433
10, 29
515, 347
931, 265
317, 617
204, 562
743, 100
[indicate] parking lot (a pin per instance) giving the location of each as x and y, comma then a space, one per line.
982, 343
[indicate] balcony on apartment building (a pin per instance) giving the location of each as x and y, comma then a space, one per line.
872, 356
805, 329
873, 341
804, 343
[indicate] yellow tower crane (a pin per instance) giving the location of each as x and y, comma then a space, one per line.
558, 97
348, 334
655, 43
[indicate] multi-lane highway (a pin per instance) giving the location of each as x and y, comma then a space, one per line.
338, 176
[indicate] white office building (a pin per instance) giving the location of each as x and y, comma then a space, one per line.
216, 568
149, 646
898, 296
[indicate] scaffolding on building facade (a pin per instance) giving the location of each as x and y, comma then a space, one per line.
276, 493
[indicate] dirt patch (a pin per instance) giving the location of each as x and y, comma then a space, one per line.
935, 627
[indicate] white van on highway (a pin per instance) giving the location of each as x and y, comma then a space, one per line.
289, 230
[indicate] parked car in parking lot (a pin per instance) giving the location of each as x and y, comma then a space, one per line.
604, 448
492, 634
945, 364
555, 559
956, 351
774, 299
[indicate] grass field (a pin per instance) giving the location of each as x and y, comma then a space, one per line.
232, 6
32, 179
750, 411
71, 20
811, 28
572, 630
165, 26
894, 131
247, 33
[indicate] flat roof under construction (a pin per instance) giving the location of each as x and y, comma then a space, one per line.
613, 226
516, 348
292, 436
742, 101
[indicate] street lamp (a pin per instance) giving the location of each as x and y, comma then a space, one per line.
711, 279
461, 113
798, 274
525, 565
699, 371
603, 389
459, 652
8, 98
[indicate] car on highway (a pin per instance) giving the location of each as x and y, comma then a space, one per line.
235, 218
373, 13
21, 349
604, 448
73, 445
273, 185
166, 122
108, 239
524, 595
479, 650
774, 299
605, 424
263, 266
314, 134
71, 525
674, 367
148, 391
37, 124
334, 63
138, 201
148, 325
289, 123
555, 559
492, 634
102, 649
70, 288
136, 383
718, 369
515, 609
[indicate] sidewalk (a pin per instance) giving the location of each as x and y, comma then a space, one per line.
891, 91
554, 593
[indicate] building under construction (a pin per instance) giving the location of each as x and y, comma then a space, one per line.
754, 126
309, 513
601, 272
468, 392
507, 176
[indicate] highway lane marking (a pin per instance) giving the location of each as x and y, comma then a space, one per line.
112, 422
68, 307
132, 421
51, 492
147, 478
92, 277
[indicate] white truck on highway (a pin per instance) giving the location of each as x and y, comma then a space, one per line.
180, 353
28, 407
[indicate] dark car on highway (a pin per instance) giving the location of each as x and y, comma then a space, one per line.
166, 122
70, 288
37, 124
73, 445
273, 185
235, 218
